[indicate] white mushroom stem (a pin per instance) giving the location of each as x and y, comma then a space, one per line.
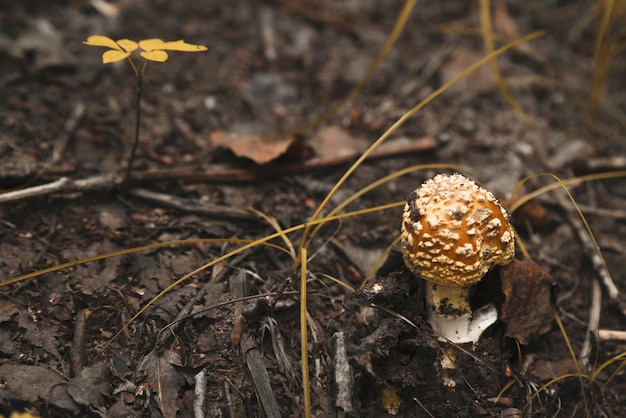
450, 314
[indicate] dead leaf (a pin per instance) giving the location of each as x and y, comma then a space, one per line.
8, 347
334, 141
31, 384
533, 214
546, 369
90, 388
163, 379
503, 23
527, 308
44, 43
253, 147
458, 62
7, 310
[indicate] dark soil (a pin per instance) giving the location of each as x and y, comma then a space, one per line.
272, 67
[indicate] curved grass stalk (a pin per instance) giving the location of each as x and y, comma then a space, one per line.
575, 359
487, 34
381, 258
118, 253
380, 182
389, 43
270, 220
406, 117
553, 186
605, 49
521, 245
609, 284
304, 345
234, 252
620, 357
504, 389
339, 282
550, 383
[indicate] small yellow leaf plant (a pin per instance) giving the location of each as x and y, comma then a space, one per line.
151, 50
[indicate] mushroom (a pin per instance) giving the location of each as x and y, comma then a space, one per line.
453, 232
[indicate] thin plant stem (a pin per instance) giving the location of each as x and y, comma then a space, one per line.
133, 151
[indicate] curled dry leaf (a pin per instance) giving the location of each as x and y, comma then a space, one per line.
253, 147
531, 214
527, 308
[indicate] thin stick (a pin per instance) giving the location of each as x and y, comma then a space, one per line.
593, 323
611, 335
78, 342
592, 251
221, 173
199, 393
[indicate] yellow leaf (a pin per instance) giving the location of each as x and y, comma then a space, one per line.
151, 44
98, 40
181, 45
127, 45
113, 56
160, 56
156, 44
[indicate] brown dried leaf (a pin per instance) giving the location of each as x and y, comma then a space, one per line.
253, 147
503, 23
7, 310
334, 141
457, 62
527, 308
91, 387
31, 384
164, 379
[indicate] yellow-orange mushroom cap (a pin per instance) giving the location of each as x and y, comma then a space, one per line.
454, 231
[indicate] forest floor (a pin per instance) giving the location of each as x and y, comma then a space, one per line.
202, 162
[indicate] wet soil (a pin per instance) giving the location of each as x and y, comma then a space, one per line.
272, 67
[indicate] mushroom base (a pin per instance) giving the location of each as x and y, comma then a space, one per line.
450, 314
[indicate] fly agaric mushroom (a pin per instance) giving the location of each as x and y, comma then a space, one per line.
453, 232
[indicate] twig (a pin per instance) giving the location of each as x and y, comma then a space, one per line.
199, 393
260, 377
78, 343
593, 323
235, 400
592, 252
606, 213
187, 205
68, 130
611, 335
216, 173
250, 353
34, 191
343, 379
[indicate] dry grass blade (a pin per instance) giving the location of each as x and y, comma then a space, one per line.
608, 44
391, 40
406, 117
380, 182
270, 220
148, 247
304, 355
249, 244
579, 374
604, 273
487, 32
